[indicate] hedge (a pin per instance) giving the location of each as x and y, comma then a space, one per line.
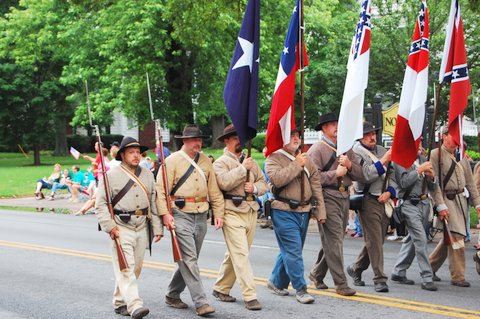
85, 144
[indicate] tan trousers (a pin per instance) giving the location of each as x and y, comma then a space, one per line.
134, 244
238, 230
456, 258
374, 223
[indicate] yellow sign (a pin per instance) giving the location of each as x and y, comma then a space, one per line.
389, 119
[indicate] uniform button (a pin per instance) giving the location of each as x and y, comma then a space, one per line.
138, 217
196, 179
138, 206
134, 185
136, 195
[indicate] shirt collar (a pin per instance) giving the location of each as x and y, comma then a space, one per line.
326, 139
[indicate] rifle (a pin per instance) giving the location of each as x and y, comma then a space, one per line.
122, 261
177, 255
447, 235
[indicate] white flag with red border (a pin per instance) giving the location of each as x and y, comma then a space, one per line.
411, 113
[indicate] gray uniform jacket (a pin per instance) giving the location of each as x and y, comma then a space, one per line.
407, 177
133, 200
320, 154
231, 177
373, 171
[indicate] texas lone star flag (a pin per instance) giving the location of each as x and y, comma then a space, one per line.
350, 120
282, 112
411, 113
454, 70
241, 87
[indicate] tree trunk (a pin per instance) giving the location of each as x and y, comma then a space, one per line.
218, 123
179, 78
60, 137
36, 154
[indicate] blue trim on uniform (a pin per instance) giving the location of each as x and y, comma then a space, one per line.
380, 168
392, 191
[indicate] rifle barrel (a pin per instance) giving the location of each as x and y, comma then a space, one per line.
177, 255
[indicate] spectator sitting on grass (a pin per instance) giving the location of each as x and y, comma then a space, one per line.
82, 182
48, 183
62, 184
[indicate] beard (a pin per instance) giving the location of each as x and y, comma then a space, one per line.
238, 148
292, 148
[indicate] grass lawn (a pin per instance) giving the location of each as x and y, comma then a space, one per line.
18, 176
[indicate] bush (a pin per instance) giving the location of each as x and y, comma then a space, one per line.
473, 154
79, 142
8, 148
472, 142
258, 142
86, 144
108, 139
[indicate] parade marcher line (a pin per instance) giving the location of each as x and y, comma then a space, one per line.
360, 297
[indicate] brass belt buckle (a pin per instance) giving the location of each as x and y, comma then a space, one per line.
423, 196
341, 188
197, 199
250, 197
138, 212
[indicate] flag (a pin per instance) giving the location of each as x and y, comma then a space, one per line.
241, 87
76, 154
282, 112
454, 70
411, 113
350, 120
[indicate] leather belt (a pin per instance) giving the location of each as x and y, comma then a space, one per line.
338, 189
373, 196
418, 198
137, 212
197, 199
248, 198
453, 191
289, 201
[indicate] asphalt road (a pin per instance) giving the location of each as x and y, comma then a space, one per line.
58, 266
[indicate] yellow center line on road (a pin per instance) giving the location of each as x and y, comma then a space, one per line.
359, 297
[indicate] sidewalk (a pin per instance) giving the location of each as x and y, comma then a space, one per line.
41, 205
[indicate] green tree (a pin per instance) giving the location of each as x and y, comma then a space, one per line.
29, 39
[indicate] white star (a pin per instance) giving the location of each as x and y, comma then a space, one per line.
294, 9
285, 50
455, 74
247, 57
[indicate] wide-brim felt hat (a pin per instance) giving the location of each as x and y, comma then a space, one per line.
326, 118
228, 131
191, 131
129, 142
369, 127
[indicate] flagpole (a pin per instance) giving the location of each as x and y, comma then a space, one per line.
302, 90
436, 102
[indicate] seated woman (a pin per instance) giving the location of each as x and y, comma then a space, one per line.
48, 182
62, 184
82, 182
